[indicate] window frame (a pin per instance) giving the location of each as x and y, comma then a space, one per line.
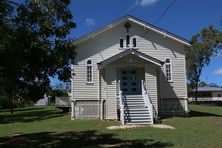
119, 43
171, 74
134, 38
89, 65
129, 46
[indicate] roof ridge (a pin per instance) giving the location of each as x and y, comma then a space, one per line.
138, 21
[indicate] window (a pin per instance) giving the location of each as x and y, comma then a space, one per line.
121, 43
89, 71
127, 40
134, 42
168, 69
218, 95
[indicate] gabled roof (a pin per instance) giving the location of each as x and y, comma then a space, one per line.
130, 52
137, 21
208, 89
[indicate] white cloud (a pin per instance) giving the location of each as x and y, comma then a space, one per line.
218, 54
145, 2
218, 71
142, 3
90, 22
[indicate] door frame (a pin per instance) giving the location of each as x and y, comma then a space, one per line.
140, 75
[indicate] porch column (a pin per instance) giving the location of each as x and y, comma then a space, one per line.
186, 105
151, 85
72, 110
72, 95
111, 103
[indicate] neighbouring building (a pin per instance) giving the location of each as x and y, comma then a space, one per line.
207, 94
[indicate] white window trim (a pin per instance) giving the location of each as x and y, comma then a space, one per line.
136, 43
130, 42
91, 82
171, 67
123, 43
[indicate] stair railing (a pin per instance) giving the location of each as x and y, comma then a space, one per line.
147, 100
120, 102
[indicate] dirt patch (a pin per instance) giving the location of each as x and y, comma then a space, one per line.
125, 126
161, 126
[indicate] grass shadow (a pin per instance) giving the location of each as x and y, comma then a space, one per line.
22, 109
194, 113
89, 138
29, 115
199, 111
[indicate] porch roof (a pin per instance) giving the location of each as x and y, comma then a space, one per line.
127, 52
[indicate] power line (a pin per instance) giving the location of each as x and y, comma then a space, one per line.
163, 13
159, 18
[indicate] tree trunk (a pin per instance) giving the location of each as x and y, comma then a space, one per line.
12, 105
196, 86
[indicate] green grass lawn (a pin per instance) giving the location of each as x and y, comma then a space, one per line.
47, 127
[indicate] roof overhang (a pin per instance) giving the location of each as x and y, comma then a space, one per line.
137, 21
127, 52
208, 89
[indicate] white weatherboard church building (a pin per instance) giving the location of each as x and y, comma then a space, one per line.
129, 70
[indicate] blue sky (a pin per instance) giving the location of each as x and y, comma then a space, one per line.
184, 18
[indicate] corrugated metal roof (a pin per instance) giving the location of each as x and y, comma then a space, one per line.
131, 18
130, 52
208, 88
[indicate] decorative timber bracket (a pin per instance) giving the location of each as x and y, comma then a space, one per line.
127, 26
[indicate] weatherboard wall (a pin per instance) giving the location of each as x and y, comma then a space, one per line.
106, 44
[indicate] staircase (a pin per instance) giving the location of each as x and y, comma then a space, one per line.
135, 111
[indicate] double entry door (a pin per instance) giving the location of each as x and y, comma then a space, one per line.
130, 82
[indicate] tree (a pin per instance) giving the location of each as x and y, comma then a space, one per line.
34, 46
57, 93
60, 86
204, 45
202, 84
213, 84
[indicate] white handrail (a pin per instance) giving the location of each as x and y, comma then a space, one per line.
121, 104
147, 100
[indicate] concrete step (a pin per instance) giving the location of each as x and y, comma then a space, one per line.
133, 113
137, 117
129, 96
131, 108
138, 123
140, 116
134, 103
131, 103
137, 114
132, 98
137, 120
136, 109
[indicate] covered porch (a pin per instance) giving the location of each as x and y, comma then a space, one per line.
129, 81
